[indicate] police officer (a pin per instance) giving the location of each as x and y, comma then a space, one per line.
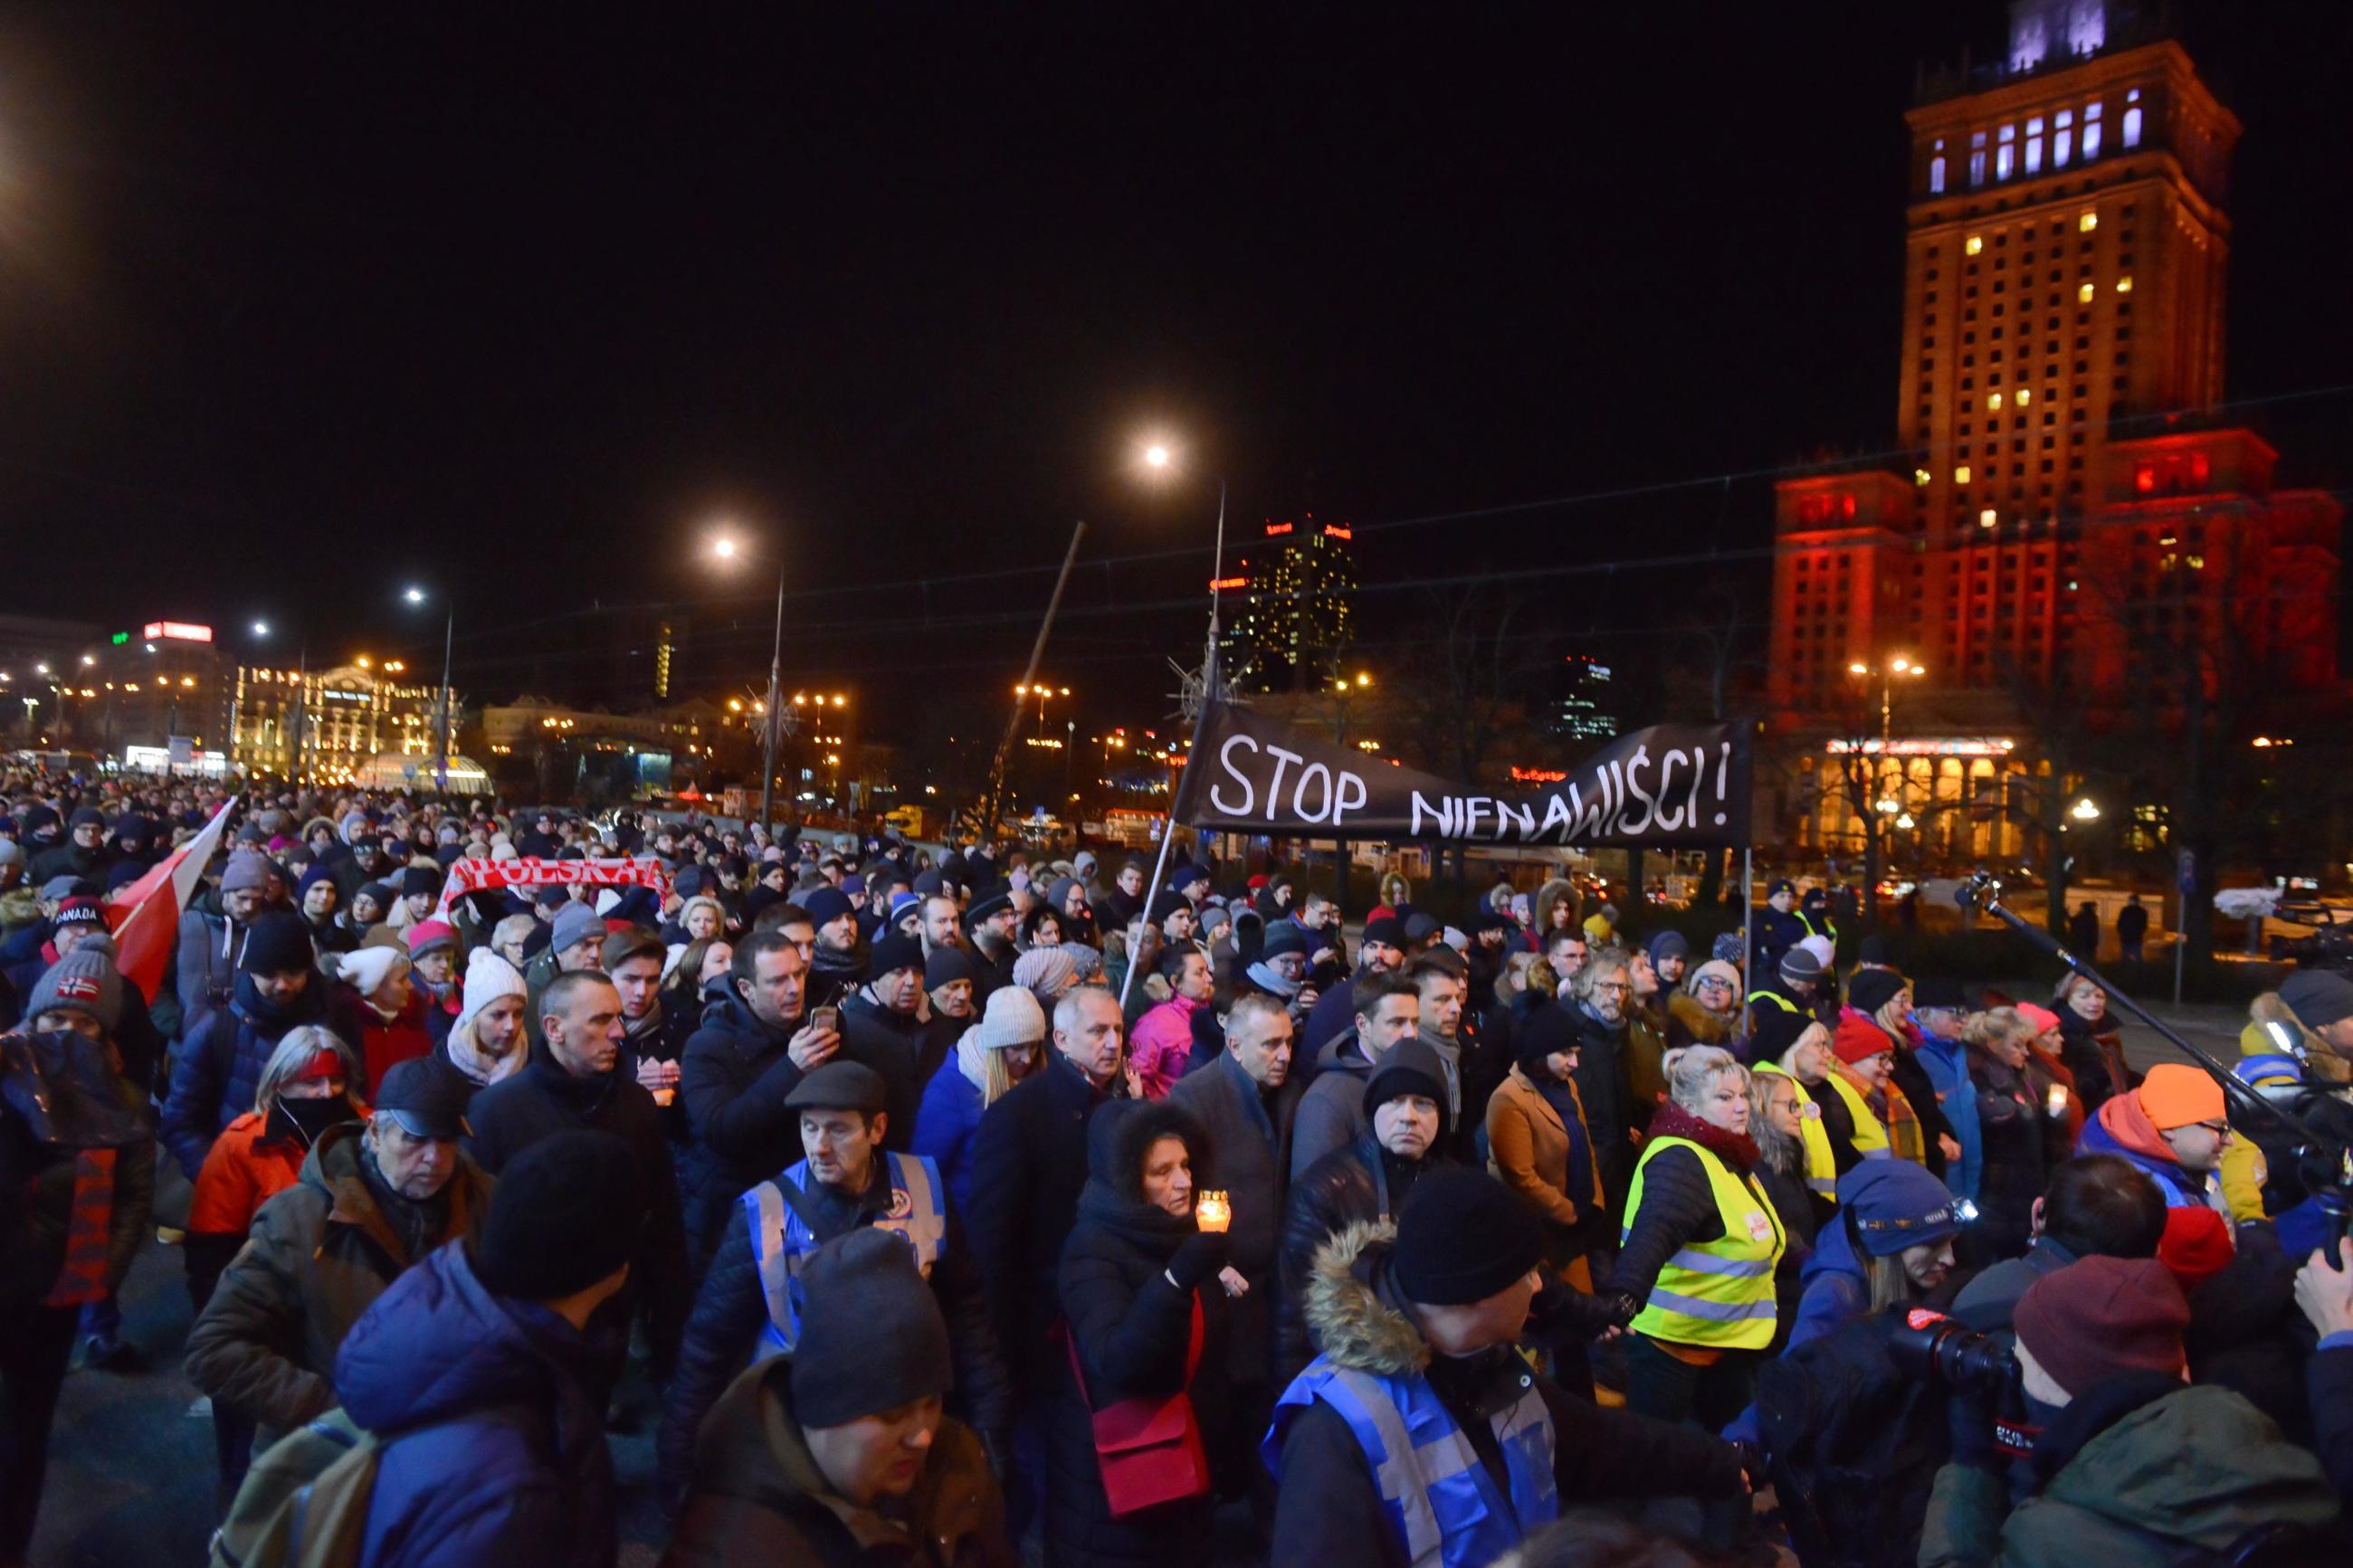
750, 1307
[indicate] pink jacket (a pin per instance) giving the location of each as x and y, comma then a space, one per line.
1160, 1045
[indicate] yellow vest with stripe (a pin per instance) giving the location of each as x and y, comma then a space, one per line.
1821, 1165
1870, 1132
1716, 1293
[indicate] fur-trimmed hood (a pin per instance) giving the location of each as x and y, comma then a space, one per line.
1351, 1310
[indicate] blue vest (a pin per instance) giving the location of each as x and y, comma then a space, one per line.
1441, 1504
781, 1242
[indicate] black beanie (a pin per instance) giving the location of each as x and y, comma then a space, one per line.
564, 1212
278, 943
893, 950
1462, 1237
1411, 1067
872, 1335
1869, 990
418, 879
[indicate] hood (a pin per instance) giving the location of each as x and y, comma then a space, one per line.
2202, 1464
1556, 890
437, 1344
2126, 1129
1340, 1055
1353, 1318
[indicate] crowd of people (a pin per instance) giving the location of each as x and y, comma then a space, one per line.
953, 1207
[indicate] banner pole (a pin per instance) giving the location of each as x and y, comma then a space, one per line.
1748, 892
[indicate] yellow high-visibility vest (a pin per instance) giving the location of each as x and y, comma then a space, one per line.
1821, 1165
1720, 1292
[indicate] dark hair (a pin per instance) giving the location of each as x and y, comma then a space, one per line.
2102, 1204
1131, 1130
636, 941
1172, 958
561, 990
1039, 915
777, 916
745, 964
1566, 933
1375, 986
1440, 960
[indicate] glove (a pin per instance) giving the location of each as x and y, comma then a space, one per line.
1561, 1313
1200, 1258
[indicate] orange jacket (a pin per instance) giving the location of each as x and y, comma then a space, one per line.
242, 1172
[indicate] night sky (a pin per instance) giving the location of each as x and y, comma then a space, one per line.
300, 306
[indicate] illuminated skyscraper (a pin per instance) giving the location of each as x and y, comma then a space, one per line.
1290, 618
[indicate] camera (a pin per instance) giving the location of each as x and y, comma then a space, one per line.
1932, 1347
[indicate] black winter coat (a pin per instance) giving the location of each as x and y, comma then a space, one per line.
1608, 1098
1028, 1165
2021, 1144
1249, 1157
906, 1051
543, 1100
732, 1081
1348, 1187
1131, 1329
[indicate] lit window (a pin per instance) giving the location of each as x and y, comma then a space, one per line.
2035, 146
2084, 294
2131, 118
2025, 396
2063, 138
1961, 475
1977, 159
1993, 401
2086, 221
1921, 476
2005, 154
1972, 244
1986, 517
1936, 175
2124, 284
2091, 132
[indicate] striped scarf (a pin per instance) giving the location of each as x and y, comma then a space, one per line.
83, 1278
1895, 1113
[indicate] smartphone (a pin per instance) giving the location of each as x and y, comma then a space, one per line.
828, 1019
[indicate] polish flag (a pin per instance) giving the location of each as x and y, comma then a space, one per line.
146, 913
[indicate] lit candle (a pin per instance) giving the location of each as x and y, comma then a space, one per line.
2057, 1101
1211, 1212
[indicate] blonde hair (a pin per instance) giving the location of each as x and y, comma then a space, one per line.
1997, 1026
1691, 1068
294, 1050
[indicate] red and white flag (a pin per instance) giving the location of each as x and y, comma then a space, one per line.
145, 914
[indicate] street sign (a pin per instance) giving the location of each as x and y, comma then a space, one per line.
2187, 876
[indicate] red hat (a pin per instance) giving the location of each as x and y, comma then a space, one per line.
2043, 1019
1258, 881
2197, 1245
1859, 1039
2101, 1317
326, 1062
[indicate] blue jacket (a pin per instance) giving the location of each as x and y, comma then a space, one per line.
1835, 1287
2181, 1190
501, 1460
944, 1124
219, 1069
1946, 1063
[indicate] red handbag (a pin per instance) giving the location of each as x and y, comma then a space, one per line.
1149, 1448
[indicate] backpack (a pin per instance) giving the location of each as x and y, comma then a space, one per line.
1855, 1442
304, 1503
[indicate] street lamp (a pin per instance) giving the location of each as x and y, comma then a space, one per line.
726, 547
416, 595
2085, 811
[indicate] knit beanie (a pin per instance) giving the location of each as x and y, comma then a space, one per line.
1282, 937
1463, 1237
1872, 989
279, 944
312, 878
1890, 1204
576, 924
2101, 1317
431, 936
1411, 1067
2197, 1245
1047, 972
382, 894
891, 951
564, 1213
248, 871
824, 905
418, 879
872, 1335
1389, 930
1820, 946
1800, 967
945, 966
78, 912
1669, 944
2176, 1095
83, 981
1012, 1018
488, 977
1859, 1038
2318, 997
366, 969
2043, 1019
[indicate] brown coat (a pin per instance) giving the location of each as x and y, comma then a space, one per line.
1528, 1144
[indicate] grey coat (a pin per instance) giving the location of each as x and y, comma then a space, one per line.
1250, 1160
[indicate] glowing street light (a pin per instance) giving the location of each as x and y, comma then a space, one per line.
2085, 811
261, 628
1155, 456
727, 548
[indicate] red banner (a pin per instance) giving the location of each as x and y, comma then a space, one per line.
531, 871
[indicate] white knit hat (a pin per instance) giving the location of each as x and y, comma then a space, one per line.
1013, 1017
488, 978
364, 969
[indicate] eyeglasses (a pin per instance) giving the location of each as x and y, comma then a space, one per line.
2220, 1128
1613, 986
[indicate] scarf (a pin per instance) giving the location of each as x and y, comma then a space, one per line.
1737, 1150
1266, 978
470, 1059
90, 1226
1895, 1113
1562, 1096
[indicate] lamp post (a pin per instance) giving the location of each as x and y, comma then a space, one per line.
727, 548
441, 709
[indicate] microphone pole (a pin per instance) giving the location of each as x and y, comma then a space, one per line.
2335, 1197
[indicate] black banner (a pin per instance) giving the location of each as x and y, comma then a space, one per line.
1674, 786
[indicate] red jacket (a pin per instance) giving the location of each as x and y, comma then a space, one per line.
384, 1042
